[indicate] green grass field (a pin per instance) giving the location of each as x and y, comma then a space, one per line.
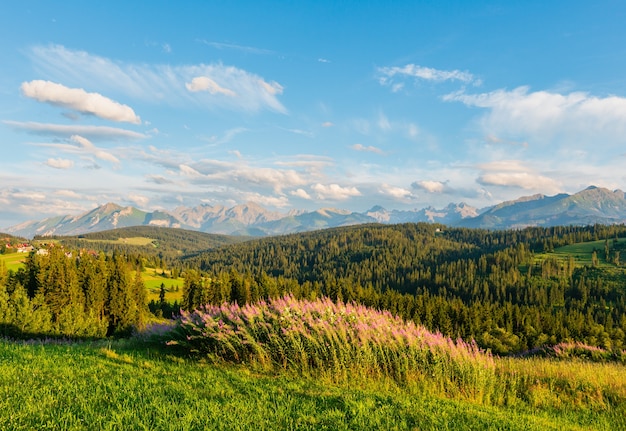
13, 261
581, 252
121, 385
140, 241
152, 278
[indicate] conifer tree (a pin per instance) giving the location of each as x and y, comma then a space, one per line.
120, 303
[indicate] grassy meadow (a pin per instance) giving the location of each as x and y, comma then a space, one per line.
153, 278
13, 261
140, 383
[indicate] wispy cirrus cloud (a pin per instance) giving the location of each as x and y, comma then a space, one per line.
367, 149
237, 47
394, 76
532, 116
79, 100
88, 147
216, 86
65, 131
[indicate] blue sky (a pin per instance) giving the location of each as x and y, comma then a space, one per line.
308, 104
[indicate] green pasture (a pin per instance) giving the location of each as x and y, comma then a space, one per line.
139, 240
152, 279
582, 253
13, 261
113, 385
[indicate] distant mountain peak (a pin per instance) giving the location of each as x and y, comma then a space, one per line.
591, 205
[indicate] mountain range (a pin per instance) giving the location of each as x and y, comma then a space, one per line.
590, 206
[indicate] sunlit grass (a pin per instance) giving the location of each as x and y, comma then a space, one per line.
13, 261
127, 386
153, 278
139, 241
346, 344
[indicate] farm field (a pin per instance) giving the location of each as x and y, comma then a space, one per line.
153, 278
139, 241
111, 385
13, 261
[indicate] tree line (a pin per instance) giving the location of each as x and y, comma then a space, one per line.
65, 293
468, 283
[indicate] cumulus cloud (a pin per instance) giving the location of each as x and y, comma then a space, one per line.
334, 192
368, 149
65, 131
545, 115
79, 100
514, 173
60, 163
395, 192
300, 193
204, 83
263, 200
388, 75
430, 186
139, 200
163, 84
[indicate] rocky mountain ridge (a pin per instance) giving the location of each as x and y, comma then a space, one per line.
589, 206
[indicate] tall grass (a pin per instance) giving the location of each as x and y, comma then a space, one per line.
121, 385
337, 341
348, 343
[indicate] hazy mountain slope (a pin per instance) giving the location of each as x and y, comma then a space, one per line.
590, 206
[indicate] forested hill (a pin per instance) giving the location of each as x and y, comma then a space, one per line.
502, 288
168, 243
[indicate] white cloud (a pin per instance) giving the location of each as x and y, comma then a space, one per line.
334, 191
271, 201
395, 192
67, 194
369, 149
248, 49
204, 83
60, 130
327, 124
430, 186
515, 173
188, 171
79, 100
90, 148
524, 180
164, 84
521, 115
158, 179
421, 72
383, 122
300, 193
139, 200
60, 163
